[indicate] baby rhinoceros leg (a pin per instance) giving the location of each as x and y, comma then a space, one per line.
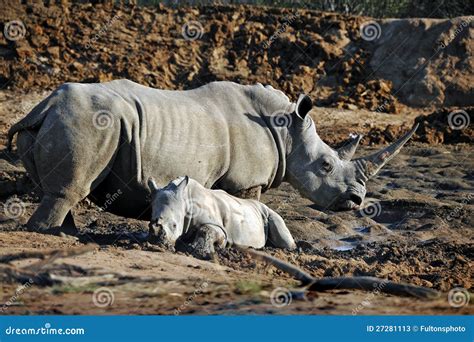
207, 236
278, 234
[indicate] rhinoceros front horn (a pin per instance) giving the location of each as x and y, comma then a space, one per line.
369, 166
346, 151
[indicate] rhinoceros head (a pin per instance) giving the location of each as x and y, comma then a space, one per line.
168, 211
330, 178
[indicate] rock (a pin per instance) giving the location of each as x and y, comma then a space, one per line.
76, 66
53, 51
23, 49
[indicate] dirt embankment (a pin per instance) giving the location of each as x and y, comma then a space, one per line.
342, 61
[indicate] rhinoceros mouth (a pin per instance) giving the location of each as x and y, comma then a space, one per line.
346, 205
351, 201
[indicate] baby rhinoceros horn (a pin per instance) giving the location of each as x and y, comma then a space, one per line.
369, 166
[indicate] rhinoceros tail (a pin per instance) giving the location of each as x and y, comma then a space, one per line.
292, 270
31, 120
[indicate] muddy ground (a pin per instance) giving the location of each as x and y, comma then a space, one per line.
416, 228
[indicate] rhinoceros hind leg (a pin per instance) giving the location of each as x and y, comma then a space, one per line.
53, 216
69, 166
252, 193
69, 225
25, 143
278, 234
207, 236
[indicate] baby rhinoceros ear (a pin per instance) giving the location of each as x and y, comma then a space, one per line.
152, 185
183, 184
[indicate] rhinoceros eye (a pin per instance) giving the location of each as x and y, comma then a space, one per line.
326, 166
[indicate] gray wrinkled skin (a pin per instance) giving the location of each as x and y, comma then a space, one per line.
212, 217
97, 140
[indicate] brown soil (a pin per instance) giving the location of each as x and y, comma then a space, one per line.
446, 126
416, 62
443, 126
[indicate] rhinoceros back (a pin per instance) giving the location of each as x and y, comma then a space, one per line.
213, 134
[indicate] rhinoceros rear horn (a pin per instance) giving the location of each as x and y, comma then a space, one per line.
303, 105
369, 166
346, 151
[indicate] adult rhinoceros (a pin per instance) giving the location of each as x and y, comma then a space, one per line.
101, 140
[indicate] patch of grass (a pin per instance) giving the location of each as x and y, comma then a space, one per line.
61, 289
248, 287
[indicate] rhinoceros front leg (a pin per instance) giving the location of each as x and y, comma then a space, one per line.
252, 193
207, 236
278, 234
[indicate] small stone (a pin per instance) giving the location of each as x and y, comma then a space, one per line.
53, 51
23, 49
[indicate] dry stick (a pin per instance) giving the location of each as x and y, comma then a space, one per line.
8, 272
348, 283
373, 284
31, 272
25, 255
13, 274
56, 253
62, 253
292, 270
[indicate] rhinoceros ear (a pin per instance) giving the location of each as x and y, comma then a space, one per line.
303, 105
152, 185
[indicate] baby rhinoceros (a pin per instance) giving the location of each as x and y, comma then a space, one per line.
187, 210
